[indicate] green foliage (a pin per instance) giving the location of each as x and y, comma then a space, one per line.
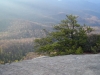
93, 43
70, 51
93, 49
68, 37
79, 51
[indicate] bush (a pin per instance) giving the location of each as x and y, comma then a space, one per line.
70, 51
93, 49
79, 51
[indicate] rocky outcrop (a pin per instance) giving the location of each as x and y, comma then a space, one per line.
59, 65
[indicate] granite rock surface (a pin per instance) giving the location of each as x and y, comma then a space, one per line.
59, 65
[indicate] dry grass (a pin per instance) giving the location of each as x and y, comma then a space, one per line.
31, 55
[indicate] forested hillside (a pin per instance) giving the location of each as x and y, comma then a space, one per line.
16, 40
19, 29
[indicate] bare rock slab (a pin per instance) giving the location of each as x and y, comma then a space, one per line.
59, 65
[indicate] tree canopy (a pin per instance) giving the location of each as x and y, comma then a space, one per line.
68, 37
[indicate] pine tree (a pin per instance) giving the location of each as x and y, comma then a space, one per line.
68, 37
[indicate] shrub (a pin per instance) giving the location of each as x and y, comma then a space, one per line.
79, 51
69, 51
93, 49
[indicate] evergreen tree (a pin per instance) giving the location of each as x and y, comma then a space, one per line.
68, 37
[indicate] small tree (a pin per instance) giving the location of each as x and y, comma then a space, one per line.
68, 36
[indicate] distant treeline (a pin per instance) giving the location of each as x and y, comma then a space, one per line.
14, 51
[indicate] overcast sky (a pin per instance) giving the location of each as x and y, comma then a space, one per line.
40, 8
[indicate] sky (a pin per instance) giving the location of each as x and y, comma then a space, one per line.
47, 9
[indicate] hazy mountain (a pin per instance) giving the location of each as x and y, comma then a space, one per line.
26, 13
19, 29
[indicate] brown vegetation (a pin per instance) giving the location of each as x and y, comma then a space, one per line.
19, 43
32, 55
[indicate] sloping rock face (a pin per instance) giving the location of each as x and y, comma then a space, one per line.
60, 65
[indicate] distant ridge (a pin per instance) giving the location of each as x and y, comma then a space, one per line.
19, 29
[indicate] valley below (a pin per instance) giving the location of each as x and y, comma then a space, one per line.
16, 40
